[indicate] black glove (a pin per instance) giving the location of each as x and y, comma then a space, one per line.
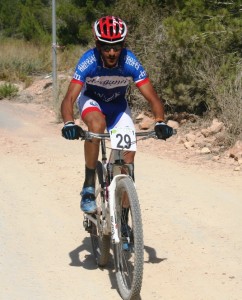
163, 131
70, 131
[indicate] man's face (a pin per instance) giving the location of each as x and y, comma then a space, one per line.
110, 53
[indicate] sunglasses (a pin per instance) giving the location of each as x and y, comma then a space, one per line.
108, 47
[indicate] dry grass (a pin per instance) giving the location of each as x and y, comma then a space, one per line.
20, 60
231, 106
225, 100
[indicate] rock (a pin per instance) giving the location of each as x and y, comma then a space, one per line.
237, 168
205, 150
140, 117
189, 145
236, 151
216, 126
183, 121
190, 137
220, 138
213, 129
146, 123
205, 132
173, 124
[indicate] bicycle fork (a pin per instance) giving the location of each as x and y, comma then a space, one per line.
113, 217
95, 219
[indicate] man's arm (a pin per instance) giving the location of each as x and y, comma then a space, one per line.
162, 130
157, 106
67, 104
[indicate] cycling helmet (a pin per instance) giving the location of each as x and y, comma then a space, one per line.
110, 29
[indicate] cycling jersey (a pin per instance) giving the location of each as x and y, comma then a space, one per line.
108, 84
105, 89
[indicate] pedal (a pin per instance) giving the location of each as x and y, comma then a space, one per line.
87, 225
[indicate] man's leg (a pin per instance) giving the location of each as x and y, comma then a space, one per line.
95, 122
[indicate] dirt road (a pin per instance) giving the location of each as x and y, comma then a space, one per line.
191, 215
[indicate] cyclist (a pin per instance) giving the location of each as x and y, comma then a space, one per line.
99, 85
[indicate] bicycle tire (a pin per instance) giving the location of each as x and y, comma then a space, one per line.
129, 263
100, 242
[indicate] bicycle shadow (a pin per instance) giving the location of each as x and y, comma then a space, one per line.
152, 257
89, 261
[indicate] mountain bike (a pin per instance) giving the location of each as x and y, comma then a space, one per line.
118, 221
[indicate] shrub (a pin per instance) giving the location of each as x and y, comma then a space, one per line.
230, 104
8, 90
223, 92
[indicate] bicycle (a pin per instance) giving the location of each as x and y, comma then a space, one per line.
117, 220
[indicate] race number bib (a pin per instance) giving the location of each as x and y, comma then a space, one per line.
123, 138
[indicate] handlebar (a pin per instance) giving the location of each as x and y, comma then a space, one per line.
88, 135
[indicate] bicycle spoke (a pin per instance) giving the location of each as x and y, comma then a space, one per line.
129, 252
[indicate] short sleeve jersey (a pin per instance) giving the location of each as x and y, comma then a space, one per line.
108, 84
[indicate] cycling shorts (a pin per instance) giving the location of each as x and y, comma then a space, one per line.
117, 113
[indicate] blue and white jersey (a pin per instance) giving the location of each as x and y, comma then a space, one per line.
108, 84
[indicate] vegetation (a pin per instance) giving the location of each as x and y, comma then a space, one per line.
20, 60
8, 90
192, 49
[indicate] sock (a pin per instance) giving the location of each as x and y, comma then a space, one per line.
89, 177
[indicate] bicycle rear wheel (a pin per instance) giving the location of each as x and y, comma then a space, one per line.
129, 253
100, 242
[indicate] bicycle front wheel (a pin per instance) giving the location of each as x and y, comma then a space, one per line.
100, 241
129, 253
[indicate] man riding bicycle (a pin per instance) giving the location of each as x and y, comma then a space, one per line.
99, 85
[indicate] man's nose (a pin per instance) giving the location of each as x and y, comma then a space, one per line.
111, 52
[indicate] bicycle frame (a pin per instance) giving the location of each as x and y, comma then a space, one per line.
115, 166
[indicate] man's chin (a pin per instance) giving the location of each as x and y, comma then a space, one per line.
111, 63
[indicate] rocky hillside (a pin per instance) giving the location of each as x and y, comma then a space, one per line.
197, 140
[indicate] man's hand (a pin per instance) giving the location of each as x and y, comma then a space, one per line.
163, 131
70, 131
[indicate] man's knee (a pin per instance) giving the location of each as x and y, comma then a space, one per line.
95, 121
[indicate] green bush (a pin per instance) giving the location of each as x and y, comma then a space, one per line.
8, 90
